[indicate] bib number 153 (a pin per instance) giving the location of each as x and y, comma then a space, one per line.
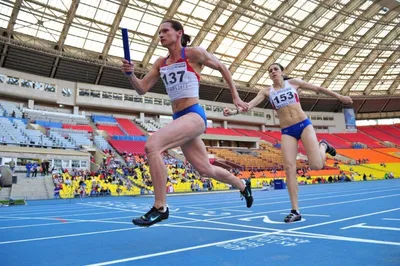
283, 97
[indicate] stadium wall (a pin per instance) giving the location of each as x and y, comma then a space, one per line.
80, 96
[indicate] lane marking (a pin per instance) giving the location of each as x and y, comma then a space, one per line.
363, 225
304, 214
344, 219
175, 251
213, 228
340, 238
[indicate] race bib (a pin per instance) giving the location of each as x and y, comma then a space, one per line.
283, 97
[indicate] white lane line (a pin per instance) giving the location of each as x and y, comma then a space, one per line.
342, 220
308, 207
49, 212
129, 210
308, 214
66, 236
269, 196
214, 228
300, 200
176, 250
339, 238
233, 210
29, 210
62, 216
67, 221
268, 199
363, 225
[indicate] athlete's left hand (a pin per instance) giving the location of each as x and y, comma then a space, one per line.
346, 100
240, 104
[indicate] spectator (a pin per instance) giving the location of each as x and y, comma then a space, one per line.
57, 192
12, 165
28, 167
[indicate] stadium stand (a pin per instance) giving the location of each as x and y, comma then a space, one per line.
7, 109
78, 127
53, 116
223, 131
111, 130
100, 142
134, 147
129, 127
103, 119
359, 137
9, 133
370, 155
374, 132
149, 125
255, 133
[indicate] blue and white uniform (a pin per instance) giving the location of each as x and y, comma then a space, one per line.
181, 81
284, 97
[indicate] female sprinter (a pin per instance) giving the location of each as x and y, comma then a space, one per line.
294, 126
180, 74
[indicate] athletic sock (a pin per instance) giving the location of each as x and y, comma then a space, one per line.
295, 212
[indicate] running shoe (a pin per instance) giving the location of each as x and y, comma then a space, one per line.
246, 193
329, 149
151, 217
293, 216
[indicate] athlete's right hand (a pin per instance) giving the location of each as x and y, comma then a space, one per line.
127, 66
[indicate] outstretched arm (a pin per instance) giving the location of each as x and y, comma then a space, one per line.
201, 56
142, 85
261, 95
308, 86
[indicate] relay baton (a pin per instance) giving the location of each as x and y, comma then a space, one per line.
125, 42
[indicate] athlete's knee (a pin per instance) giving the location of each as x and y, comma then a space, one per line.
152, 146
316, 165
206, 170
290, 168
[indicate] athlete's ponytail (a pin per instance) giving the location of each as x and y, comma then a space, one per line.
176, 25
185, 40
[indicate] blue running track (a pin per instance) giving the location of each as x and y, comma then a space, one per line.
344, 224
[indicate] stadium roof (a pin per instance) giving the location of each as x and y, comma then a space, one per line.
349, 46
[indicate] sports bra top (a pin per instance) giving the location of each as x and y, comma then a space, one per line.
283, 97
180, 79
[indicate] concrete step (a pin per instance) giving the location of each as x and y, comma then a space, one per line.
49, 184
5, 193
29, 188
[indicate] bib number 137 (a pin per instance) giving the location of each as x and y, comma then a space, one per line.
173, 77
283, 97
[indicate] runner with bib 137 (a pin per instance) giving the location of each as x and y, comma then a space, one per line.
179, 72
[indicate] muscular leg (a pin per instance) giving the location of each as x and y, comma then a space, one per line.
316, 153
177, 133
195, 152
289, 153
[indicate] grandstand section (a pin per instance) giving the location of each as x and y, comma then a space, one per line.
129, 127
359, 137
56, 118
389, 135
134, 147
74, 125
111, 130
370, 155
66, 158
77, 100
